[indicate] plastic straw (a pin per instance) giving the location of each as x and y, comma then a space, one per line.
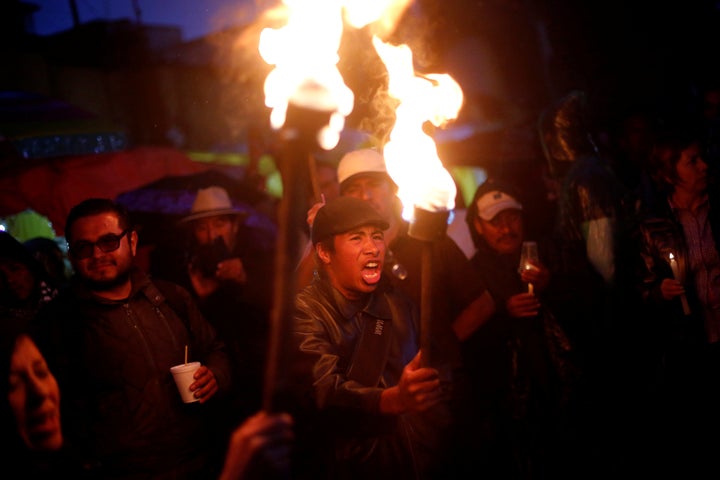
185, 354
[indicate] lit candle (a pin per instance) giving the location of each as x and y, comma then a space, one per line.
674, 266
676, 274
531, 289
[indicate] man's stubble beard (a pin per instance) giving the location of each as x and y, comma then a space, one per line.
121, 278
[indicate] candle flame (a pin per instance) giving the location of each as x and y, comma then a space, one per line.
671, 255
411, 154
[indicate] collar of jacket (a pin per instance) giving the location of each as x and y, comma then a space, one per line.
374, 304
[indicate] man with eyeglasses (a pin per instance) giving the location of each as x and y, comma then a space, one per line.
111, 338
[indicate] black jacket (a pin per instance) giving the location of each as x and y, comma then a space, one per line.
661, 234
349, 434
112, 360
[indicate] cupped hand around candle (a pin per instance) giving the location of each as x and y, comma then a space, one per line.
538, 274
671, 288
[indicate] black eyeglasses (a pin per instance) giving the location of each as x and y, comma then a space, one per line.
107, 243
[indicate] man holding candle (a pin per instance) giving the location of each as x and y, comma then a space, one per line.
111, 339
522, 366
373, 410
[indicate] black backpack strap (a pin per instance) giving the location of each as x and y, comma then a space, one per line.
372, 349
370, 355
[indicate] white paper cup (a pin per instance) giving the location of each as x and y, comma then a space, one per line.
183, 375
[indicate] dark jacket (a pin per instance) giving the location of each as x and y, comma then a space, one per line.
341, 401
450, 292
680, 364
675, 340
525, 376
112, 360
530, 356
662, 233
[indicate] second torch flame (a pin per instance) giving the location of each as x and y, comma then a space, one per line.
411, 154
304, 53
426, 189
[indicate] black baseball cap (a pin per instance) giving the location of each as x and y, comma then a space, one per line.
342, 214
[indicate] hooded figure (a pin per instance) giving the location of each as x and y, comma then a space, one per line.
592, 201
565, 133
597, 250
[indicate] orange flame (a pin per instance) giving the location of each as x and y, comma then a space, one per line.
382, 15
304, 53
411, 154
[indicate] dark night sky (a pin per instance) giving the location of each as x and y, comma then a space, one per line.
613, 49
195, 17
629, 43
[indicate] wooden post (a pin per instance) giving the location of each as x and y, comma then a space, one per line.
299, 139
426, 304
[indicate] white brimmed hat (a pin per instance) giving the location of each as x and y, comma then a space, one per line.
211, 202
362, 161
495, 202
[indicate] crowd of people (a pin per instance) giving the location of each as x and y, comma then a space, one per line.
598, 358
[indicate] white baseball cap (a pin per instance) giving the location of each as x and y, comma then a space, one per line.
356, 162
494, 202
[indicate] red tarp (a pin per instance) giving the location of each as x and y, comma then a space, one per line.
51, 187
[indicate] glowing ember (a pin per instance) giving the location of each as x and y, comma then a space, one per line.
304, 53
411, 154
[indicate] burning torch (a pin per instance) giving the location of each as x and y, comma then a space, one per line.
425, 187
309, 102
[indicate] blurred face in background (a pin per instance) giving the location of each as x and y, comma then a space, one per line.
327, 181
18, 278
34, 397
376, 189
205, 230
504, 233
691, 171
